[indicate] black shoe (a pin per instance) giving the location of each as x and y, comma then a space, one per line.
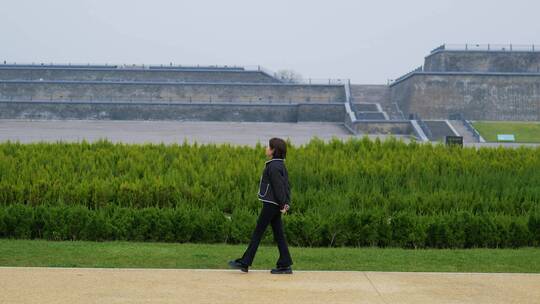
236, 264
281, 270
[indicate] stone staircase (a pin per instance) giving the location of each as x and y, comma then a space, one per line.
370, 115
369, 111
439, 130
373, 102
468, 136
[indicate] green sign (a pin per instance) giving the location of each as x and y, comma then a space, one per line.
506, 137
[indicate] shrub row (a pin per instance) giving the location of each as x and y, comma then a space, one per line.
460, 229
354, 175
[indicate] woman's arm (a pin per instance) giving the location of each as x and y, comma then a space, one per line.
278, 185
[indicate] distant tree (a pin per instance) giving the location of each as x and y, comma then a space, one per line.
289, 76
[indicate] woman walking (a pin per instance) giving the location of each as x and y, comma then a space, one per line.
274, 193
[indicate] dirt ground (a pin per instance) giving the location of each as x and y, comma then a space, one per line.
86, 285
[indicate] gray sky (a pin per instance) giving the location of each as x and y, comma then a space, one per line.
368, 42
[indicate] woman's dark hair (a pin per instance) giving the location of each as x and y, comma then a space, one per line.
279, 146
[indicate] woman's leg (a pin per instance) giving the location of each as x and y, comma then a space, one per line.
279, 236
267, 213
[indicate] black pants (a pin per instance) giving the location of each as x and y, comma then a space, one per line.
270, 214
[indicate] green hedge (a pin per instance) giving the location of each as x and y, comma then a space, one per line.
368, 228
344, 193
354, 175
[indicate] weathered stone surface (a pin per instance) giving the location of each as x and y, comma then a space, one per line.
163, 91
483, 61
477, 97
116, 74
173, 111
384, 127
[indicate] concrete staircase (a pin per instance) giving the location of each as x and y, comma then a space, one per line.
370, 115
369, 111
373, 102
366, 107
468, 136
440, 129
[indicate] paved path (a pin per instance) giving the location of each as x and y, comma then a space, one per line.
87, 285
128, 131
243, 133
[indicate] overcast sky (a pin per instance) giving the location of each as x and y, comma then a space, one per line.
366, 41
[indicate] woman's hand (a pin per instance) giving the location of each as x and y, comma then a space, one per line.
285, 208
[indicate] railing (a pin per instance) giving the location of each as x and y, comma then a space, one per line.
422, 124
122, 66
350, 117
263, 70
471, 129
349, 105
232, 68
330, 81
418, 69
197, 67
489, 47
59, 66
439, 48
468, 126
315, 81
399, 110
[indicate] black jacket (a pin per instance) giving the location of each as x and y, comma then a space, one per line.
274, 184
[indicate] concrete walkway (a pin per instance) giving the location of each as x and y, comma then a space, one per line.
236, 133
242, 133
85, 285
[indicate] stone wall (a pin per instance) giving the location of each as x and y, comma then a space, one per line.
376, 94
181, 112
127, 74
483, 61
370, 93
384, 127
163, 91
477, 97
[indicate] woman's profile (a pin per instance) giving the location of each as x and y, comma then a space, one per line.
274, 193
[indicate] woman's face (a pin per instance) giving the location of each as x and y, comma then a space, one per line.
269, 152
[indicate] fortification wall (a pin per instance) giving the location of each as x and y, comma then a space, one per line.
477, 97
130, 74
384, 127
180, 112
483, 61
163, 91
370, 93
